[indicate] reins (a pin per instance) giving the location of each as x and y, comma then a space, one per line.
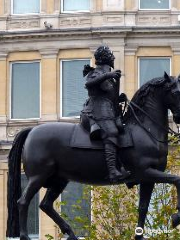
169, 130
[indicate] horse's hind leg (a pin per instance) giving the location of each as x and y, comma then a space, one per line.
33, 186
153, 175
144, 200
47, 206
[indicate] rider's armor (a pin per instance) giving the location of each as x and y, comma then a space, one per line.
102, 109
102, 105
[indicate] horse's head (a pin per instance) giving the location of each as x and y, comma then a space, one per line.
172, 97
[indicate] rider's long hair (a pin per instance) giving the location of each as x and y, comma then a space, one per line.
103, 55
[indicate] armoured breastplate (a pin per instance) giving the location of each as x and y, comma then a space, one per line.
102, 102
107, 89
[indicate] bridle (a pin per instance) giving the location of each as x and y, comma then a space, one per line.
169, 130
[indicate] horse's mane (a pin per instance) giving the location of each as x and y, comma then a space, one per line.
148, 89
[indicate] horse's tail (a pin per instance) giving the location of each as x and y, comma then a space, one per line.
14, 183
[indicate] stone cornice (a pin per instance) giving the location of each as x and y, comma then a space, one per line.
108, 31
63, 33
156, 29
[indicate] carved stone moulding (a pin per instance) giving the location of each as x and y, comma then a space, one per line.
12, 131
115, 20
23, 24
75, 21
13, 128
153, 20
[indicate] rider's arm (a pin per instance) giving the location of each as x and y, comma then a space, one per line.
99, 79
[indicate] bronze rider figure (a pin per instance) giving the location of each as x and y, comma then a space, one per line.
102, 107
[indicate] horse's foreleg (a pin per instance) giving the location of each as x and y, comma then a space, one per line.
153, 175
144, 200
31, 189
47, 206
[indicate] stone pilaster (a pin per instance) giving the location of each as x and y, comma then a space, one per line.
176, 60
43, 6
2, 204
3, 95
7, 7
49, 84
130, 60
113, 5
56, 6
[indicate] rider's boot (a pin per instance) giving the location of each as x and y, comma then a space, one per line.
111, 157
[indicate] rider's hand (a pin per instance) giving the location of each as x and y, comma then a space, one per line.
116, 74
122, 97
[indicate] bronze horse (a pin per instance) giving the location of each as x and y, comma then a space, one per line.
50, 162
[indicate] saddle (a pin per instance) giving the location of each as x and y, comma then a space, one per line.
81, 139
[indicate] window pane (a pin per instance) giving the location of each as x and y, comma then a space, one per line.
78, 5
33, 213
26, 6
25, 90
77, 200
154, 4
73, 92
153, 67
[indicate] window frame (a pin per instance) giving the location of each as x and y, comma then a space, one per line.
69, 11
10, 95
152, 57
154, 9
24, 14
61, 84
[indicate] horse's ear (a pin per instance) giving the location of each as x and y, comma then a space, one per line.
166, 76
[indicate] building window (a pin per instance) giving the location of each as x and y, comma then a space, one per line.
33, 212
25, 6
150, 68
75, 6
76, 207
154, 4
25, 90
73, 93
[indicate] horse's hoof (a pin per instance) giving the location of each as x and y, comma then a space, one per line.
175, 220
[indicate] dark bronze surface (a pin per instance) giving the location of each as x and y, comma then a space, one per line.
50, 161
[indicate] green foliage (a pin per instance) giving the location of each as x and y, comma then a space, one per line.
163, 201
80, 219
114, 212
49, 237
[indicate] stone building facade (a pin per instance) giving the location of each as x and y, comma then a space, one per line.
40, 44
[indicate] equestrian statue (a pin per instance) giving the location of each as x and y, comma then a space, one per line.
106, 147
